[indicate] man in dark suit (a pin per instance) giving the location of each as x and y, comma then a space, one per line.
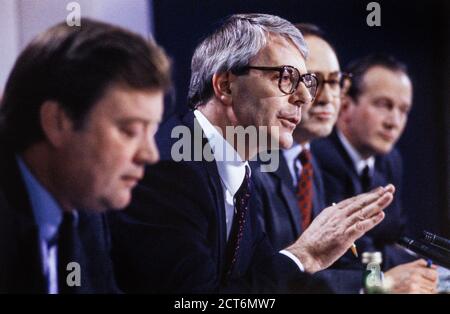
192, 224
289, 201
360, 154
77, 121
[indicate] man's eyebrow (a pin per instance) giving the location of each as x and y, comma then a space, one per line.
129, 120
322, 72
140, 120
332, 73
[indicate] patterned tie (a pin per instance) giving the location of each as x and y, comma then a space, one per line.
366, 180
241, 198
305, 188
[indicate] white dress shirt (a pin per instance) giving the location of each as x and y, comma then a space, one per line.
358, 162
231, 170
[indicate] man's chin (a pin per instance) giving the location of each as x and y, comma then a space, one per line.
286, 141
382, 148
119, 202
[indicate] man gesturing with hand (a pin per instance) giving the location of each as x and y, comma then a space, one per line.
334, 230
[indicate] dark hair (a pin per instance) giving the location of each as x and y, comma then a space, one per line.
308, 29
74, 66
359, 67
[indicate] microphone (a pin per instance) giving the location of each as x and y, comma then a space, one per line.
426, 251
437, 240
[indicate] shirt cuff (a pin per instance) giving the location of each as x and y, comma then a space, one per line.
294, 258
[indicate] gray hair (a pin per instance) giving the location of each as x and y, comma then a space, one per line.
231, 46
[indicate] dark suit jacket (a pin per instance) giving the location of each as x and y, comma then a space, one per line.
341, 181
172, 239
280, 217
20, 255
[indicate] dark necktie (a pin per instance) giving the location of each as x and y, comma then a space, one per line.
242, 198
68, 247
365, 179
305, 188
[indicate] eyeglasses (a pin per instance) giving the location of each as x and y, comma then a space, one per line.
335, 80
289, 78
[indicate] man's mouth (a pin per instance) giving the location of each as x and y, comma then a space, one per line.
323, 115
290, 122
131, 180
387, 136
324, 112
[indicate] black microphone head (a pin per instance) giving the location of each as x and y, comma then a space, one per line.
427, 250
428, 236
405, 241
437, 240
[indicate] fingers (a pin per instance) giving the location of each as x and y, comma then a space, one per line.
363, 200
413, 283
424, 286
420, 262
424, 263
359, 228
370, 196
390, 188
370, 210
413, 277
423, 289
429, 274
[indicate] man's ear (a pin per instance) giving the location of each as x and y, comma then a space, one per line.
346, 86
55, 122
347, 104
221, 84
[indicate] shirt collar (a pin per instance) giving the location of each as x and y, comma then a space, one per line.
291, 154
230, 166
358, 162
47, 212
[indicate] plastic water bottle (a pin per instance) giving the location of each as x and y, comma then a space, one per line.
372, 277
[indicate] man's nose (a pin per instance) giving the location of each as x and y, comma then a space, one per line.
302, 95
148, 151
394, 118
325, 95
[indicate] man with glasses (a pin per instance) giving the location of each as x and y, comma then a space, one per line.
192, 225
292, 196
292, 199
373, 116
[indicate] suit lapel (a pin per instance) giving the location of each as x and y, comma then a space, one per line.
378, 178
210, 168
350, 168
21, 246
318, 197
287, 191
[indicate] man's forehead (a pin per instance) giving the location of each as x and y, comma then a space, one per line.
321, 56
378, 76
380, 73
383, 82
122, 102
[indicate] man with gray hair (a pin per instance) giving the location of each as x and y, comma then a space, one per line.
192, 225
